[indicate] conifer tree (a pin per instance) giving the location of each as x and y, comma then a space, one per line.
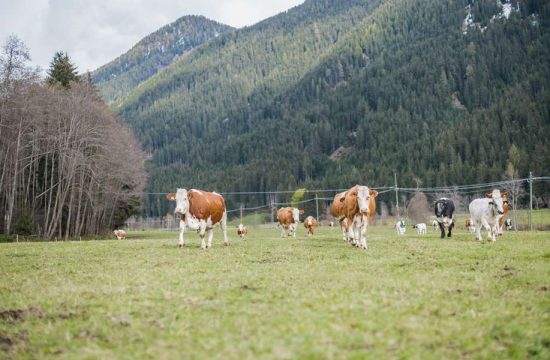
62, 70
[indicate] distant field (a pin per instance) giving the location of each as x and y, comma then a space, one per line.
269, 297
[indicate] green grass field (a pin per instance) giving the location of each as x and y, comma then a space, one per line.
267, 297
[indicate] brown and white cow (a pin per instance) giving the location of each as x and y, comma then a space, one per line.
242, 231
202, 211
359, 209
310, 223
289, 218
120, 234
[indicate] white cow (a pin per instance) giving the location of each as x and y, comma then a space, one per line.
485, 212
435, 224
420, 228
400, 227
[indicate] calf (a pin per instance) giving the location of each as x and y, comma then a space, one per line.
420, 228
485, 212
508, 224
435, 224
202, 211
288, 218
470, 225
502, 218
242, 231
400, 227
310, 223
444, 209
120, 234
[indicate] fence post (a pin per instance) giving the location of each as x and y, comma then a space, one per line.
317, 207
396, 197
530, 201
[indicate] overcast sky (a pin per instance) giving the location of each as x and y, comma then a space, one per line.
94, 32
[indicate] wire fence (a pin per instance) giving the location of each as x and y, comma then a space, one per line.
529, 200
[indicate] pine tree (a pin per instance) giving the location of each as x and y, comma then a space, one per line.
62, 70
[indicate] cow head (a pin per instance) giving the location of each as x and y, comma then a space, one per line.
497, 200
363, 194
182, 201
440, 206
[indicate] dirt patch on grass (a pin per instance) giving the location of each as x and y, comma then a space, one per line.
248, 288
12, 343
13, 316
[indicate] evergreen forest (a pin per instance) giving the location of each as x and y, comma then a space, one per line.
333, 93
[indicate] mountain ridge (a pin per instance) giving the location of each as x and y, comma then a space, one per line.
153, 53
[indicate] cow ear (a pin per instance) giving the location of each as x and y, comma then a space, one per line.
373, 193
171, 196
488, 195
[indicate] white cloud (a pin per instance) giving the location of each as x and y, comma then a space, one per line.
95, 32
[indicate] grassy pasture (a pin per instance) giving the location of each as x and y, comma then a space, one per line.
267, 297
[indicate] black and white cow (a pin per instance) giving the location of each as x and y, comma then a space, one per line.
444, 209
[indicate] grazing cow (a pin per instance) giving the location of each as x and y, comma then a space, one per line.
400, 227
120, 234
470, 225
358, 211
502, 218
337, 210
288, 218
202, 211
242, 231
485, 212
310, 223
444, 209
420, 228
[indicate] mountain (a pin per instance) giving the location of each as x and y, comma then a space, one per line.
154, 52
333, 93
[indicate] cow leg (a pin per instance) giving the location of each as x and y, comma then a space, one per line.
293, 230
283, 231
343, 229
451, 228
181, 242
363, 233
210, 236
442, 228
478, 230
489, 229
202, 233
223, 226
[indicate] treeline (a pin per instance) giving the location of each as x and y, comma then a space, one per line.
67, 168
336, 93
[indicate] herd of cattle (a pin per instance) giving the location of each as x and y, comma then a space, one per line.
354, 209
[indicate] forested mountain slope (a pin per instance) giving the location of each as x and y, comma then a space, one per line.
154, 52
333, 93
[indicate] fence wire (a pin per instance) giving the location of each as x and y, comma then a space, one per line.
258, 208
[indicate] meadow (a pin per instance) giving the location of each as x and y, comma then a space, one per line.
266, 297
